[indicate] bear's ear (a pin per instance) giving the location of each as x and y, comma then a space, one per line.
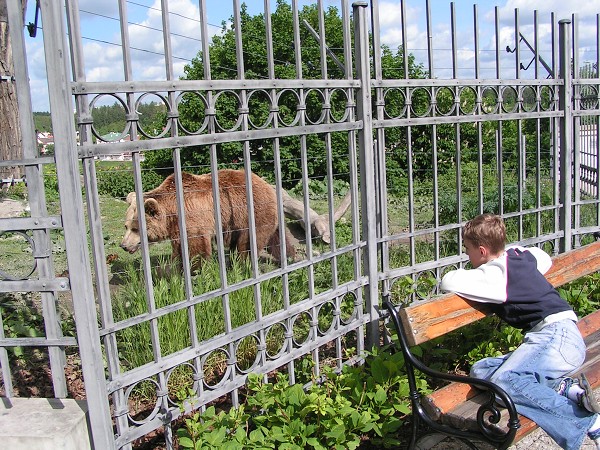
131, 198
152, 207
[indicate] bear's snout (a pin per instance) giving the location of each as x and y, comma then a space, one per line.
130, 243
130, 249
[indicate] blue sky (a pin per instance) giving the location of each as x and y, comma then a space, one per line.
100, 31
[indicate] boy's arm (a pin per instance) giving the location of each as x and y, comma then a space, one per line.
486, 284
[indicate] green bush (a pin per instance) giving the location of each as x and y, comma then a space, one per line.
366, 401
118, 181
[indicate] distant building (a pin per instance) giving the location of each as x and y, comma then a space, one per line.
112, 138
44, 139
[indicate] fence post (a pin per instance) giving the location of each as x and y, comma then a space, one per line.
565, 133
367, 167
80, 278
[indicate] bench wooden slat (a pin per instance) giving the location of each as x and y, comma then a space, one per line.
436, 317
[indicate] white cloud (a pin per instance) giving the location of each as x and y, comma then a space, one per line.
441, 38
103, 55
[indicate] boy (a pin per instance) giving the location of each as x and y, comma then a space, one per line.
534, 375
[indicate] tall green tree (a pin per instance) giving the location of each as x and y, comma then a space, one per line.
224, 66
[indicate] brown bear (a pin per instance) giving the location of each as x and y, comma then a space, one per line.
162, 221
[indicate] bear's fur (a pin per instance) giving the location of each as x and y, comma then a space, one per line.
162, 219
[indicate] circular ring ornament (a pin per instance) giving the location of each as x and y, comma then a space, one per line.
152, 414
425, 284
529, 99
301, 328
26, 246
178, 376
348, 308
260, 104
489, 100
288, 103
547, 100
510, 99
340, 108
193, 104
225, 102
244, 349
276, 340
467, 97
215, 363
117, 136
166, 125
326, 313
394, 103
444, 101
589, 97
420, 100
314, 100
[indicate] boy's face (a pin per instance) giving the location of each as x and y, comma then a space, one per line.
477, 253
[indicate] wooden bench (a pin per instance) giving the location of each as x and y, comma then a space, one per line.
466, 408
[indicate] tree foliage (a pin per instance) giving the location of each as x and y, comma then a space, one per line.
223, 65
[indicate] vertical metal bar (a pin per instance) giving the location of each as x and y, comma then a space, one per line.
408, 96
499, 129
566, 133
380, 167
37, 200
67, 166
327, 138
577, 124
497, 38
519, 148
429, 39
198, 375
367, 171
301, 122
596, 122
457, 152
183, 242
239, 51
353, 176
517, 45
453, 35
538, 190
94, 212
278, 180
536, 50
479, 125
434, 147
555, 123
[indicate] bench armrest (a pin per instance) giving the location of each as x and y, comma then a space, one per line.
488, 413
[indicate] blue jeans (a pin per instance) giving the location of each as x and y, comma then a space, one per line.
531, 374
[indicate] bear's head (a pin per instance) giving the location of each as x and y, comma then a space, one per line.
156, 223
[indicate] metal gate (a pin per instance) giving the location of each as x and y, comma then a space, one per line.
409, 155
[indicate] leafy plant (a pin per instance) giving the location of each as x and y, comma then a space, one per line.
583, 294
369, 400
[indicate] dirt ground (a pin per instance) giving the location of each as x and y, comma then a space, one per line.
12, 208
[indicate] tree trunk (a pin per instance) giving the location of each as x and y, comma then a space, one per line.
320, 223
11, 147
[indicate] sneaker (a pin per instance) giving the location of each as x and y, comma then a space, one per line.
565, 385
583, 395
587, 399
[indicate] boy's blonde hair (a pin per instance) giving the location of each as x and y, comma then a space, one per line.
487, 230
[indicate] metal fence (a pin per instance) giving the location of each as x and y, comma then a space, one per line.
409, 151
